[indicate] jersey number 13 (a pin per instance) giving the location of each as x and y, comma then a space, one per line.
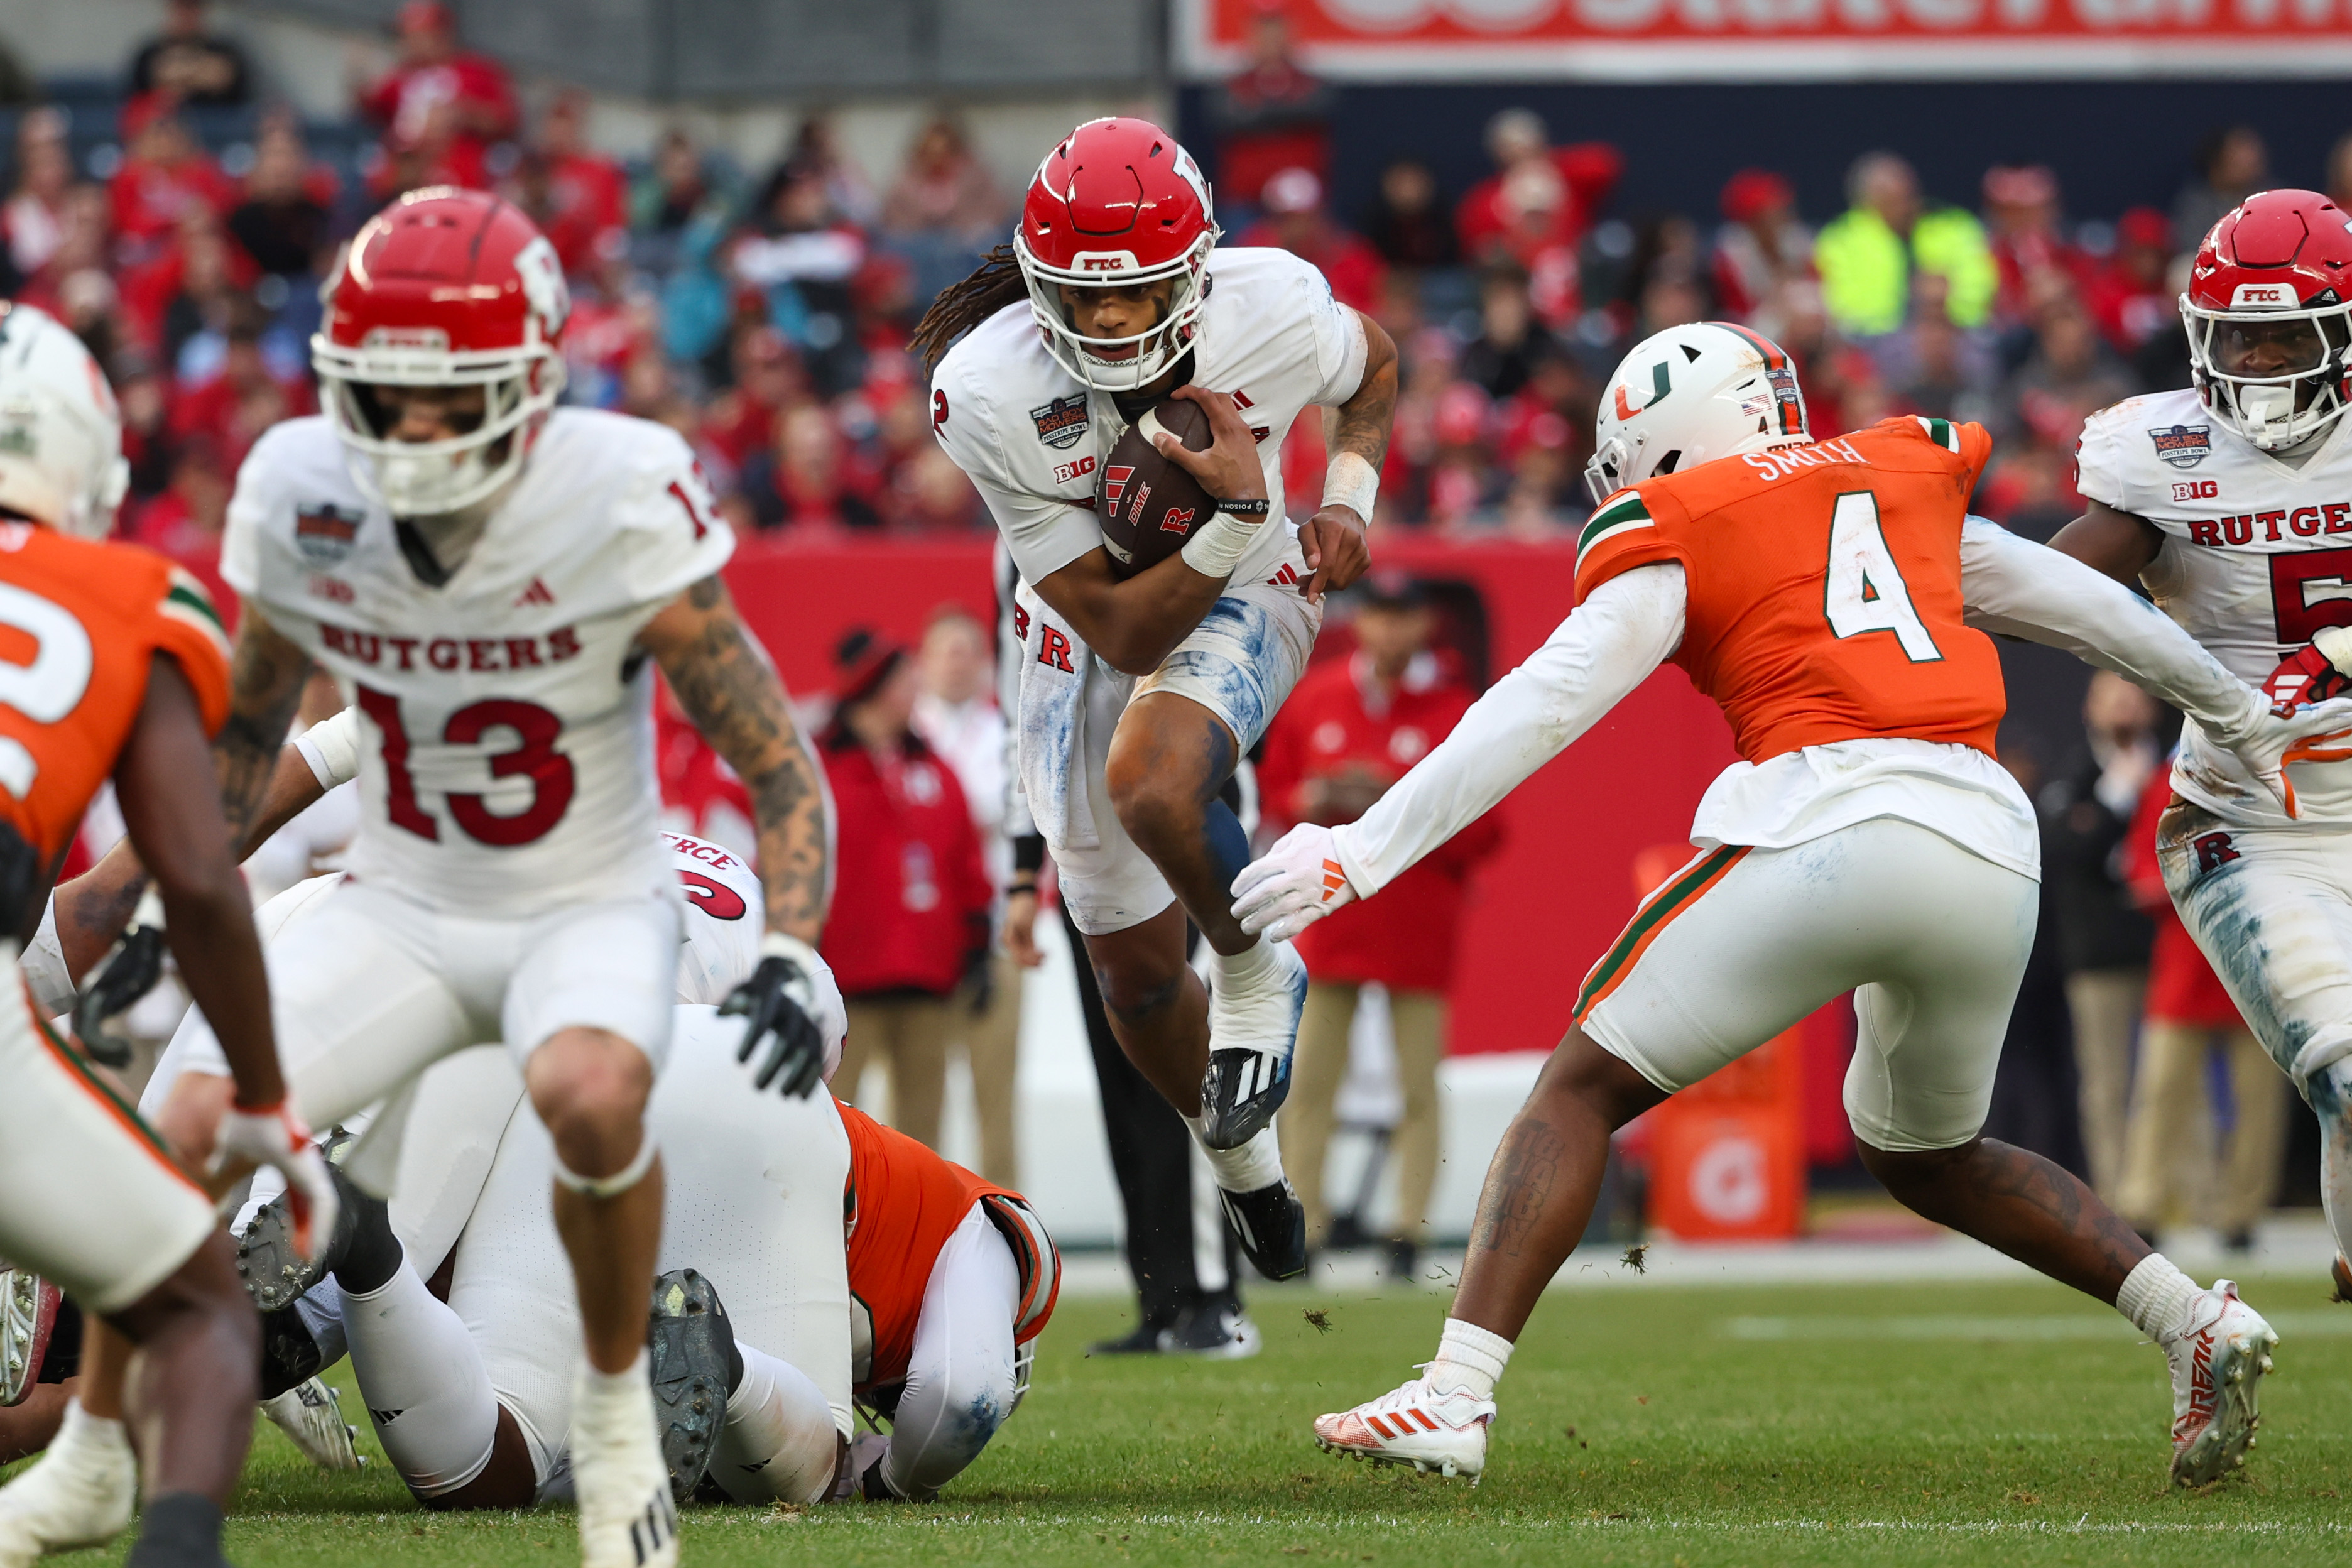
533, 757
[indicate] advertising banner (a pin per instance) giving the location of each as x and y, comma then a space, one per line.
1756, 40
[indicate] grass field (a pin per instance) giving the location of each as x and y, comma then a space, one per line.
2005, 1424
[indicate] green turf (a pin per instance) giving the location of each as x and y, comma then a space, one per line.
1644, 1426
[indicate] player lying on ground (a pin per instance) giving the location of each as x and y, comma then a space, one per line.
949, 1281
119, 670
2232, 503
1825, 594
1139, 692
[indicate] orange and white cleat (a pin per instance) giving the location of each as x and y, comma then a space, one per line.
1441, 1429
2219, 1361
2341, 1273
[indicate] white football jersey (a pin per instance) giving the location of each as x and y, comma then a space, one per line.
1032, 436
507, 765
2257, 556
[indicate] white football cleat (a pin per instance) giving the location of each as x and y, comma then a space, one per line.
627, 1519
312, 1414
2218, 1362
1441, 1429
1253, 1031
79, 1493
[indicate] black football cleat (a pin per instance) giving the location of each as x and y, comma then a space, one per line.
1271, 1224
1253, 1032
694, 1366
363, 1253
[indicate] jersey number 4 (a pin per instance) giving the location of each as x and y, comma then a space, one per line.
1865, 591
533, 757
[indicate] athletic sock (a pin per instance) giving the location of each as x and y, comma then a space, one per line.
180, 1530
423, 1382
603, 1401
372, 1253
1246, 967
1256, 1163
83, 1433
2156, 1297
779, 1437
1469, 1357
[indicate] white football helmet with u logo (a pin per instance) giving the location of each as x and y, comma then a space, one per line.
61, 429
1688, 396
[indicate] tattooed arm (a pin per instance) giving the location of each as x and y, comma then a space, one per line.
266, 677
728, 687
1333, 539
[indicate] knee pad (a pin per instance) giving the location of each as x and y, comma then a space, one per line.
619, 1181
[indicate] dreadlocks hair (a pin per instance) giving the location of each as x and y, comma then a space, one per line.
994, 284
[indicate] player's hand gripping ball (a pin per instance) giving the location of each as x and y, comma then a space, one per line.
781, 1001
1146, 505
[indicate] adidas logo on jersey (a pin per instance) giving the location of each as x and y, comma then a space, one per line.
536, 594
1285, 578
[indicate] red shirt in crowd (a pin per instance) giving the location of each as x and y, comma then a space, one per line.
405, 100
910, 896
1486, 220
2181, 985
586, 197
1337, 722
150, 200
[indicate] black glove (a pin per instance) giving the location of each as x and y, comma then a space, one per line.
781, 1002
128, 973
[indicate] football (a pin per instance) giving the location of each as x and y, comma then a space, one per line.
1146, 505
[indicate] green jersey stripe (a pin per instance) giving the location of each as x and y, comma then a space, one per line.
1660, 909
1627, 513
189, 599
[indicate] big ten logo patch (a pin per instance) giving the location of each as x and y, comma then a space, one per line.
2196, 489
1064, 472
2213, 851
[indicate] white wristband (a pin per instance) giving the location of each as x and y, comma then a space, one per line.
1351, 482
1217, 546
333, 748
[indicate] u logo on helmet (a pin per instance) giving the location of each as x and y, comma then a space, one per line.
1659, 386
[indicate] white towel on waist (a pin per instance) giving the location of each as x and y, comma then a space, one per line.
1051, 727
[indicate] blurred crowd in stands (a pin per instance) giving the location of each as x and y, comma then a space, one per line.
766, 317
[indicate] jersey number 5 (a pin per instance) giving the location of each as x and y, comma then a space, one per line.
1865, 591
533, 757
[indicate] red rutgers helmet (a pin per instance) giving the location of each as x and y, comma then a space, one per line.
1119, 202
443, 288
2269, 312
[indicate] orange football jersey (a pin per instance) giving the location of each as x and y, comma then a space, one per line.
902, 1203
81, 623
1823, 583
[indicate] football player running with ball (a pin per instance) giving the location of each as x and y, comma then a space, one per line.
2232, 501
490, 578
1141, 692
1826, 594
